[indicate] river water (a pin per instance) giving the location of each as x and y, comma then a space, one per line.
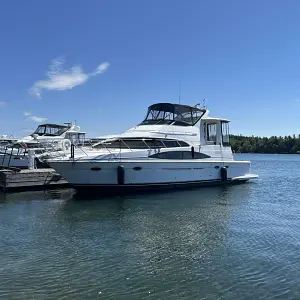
235, 242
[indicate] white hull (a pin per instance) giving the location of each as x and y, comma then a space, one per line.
149, 172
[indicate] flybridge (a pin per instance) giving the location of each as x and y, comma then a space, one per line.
173, 114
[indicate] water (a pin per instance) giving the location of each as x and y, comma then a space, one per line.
237, 242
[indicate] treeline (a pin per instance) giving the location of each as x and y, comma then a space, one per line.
274, 144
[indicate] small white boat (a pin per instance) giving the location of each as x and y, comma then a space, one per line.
175, 146
6, 140
47, 138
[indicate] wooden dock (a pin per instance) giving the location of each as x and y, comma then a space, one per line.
14, 179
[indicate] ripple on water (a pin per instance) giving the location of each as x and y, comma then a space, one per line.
239, 242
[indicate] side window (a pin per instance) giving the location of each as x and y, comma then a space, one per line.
211, 133
81, 138
71, 137
183, 144
179, 155
225, 133
74, 139
171, 144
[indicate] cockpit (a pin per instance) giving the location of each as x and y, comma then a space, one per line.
172, 114
51, 130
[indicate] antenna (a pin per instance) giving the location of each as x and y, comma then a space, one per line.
204, 103
179, 91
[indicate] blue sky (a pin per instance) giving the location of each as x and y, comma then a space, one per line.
102, 63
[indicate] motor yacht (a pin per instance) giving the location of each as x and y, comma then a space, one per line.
6, 140
175, 146
47, 140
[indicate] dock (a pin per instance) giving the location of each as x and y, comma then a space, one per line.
12, 179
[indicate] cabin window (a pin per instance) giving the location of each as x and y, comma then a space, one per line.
179, 155
76, 138
211, 133
81, 138
51, 130
172, 144
141, 144
225, 133
183, 144
130, 144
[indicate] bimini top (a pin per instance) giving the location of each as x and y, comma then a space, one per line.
51, 129
173, 114
56, 125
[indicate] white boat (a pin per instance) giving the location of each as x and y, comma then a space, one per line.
6, 140
175, 146
46, 139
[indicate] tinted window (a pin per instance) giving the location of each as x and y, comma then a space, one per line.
179, 155
225, 134
183, 144
51, 130
140, 144
211, 133
170, 144
167, 113
131, 144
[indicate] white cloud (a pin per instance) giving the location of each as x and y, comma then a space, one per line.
34, 118
60, 79
37, 119
28, 130
101, 69
2, 104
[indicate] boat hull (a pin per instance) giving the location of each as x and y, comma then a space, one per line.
122, 177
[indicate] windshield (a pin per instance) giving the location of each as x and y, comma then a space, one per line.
175, 114
51, 130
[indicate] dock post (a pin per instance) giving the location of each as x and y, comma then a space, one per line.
31, 160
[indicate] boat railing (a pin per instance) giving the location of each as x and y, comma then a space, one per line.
48, 148
9, 151
41, 149
101, 150
57, 149
116, 153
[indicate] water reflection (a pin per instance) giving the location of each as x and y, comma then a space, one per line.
158, 227
159, 238
131, 244
55, 194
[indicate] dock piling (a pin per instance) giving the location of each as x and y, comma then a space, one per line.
31, 160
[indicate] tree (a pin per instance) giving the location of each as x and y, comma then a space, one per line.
274, 144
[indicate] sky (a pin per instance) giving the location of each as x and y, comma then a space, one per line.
102, 63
